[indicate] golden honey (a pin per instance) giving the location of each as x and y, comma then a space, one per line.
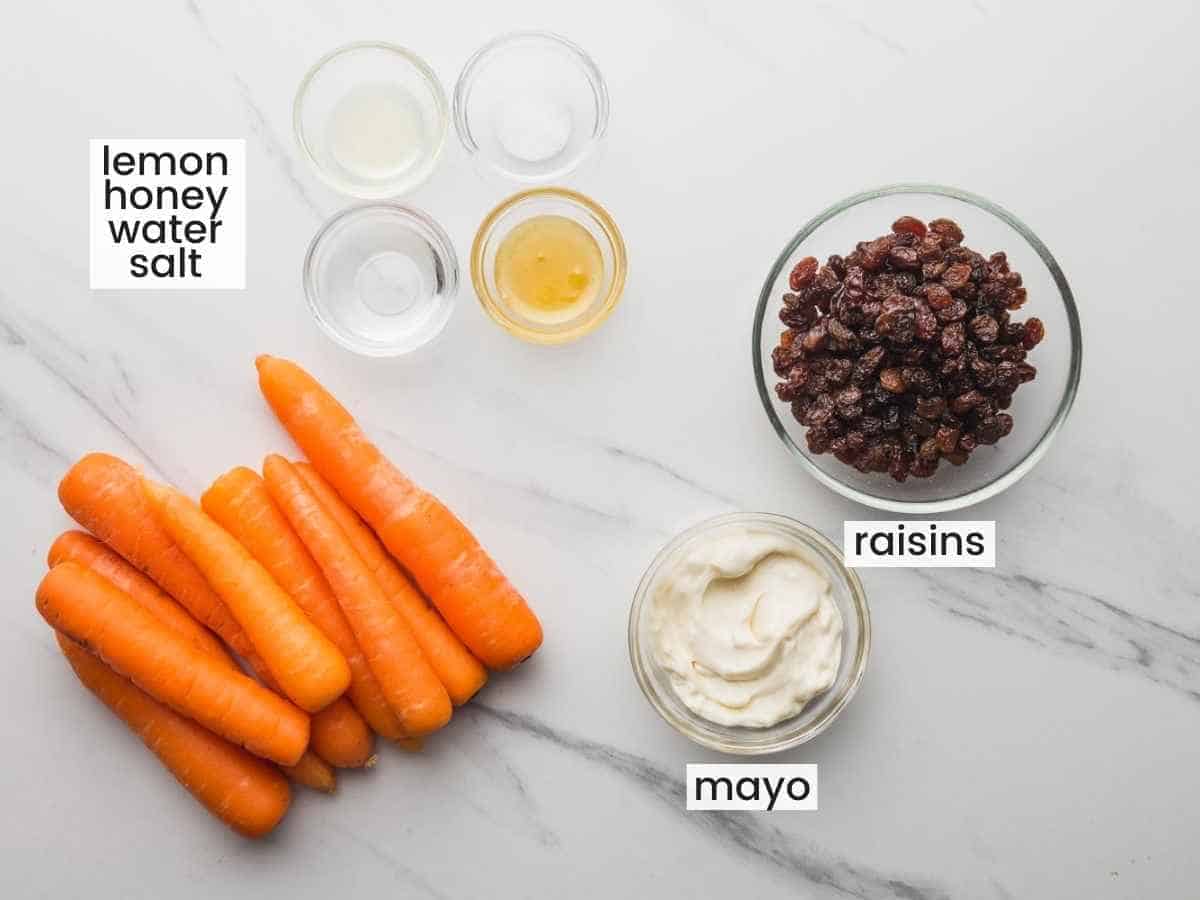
549, 268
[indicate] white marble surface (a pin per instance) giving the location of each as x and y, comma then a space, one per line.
1027, 732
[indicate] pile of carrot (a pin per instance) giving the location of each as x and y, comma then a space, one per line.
267, 633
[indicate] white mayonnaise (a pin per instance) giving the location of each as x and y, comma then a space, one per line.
746, 627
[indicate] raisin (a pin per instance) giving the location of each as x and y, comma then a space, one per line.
955, 312
954, 338
930, 407
909, 225
988, 431
927, 327
985, 328
849, 396
934, 269
947, 437
1034, 331
1016, 298
947, 230
841, 337
956, 276
904, 258
803, 273
798, 316
782, 358
815, 338
922, 468
899, 326
937, 297
868, 364
892, 381
964, 403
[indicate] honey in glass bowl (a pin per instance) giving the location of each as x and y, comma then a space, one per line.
549, 267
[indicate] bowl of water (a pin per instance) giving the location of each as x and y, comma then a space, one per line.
381, 278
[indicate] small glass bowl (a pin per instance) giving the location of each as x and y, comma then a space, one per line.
372, 119
819, 713
530, 105
1039, 408
520, 208
381, 278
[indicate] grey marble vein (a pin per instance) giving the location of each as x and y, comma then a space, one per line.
1057, 617
744, 832
259, 124
657, 465
865, 29
37, 349
408, 875
534, 491
24, 436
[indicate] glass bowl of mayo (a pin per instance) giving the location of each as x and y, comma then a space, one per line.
748, 634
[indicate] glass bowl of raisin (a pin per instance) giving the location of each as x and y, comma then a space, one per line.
930, 366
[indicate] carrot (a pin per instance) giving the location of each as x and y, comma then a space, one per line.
302, 661
104, 495
169, 667
239, 501
449, 565
247, 794
338, 735
84, 549
460, 672
409, 683
313, 772
341, 737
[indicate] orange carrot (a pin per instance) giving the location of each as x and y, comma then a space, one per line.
341, 737
449, 565
312, 772
167, 666
409, 683
239, 501
244, 792
104, 495
84, 549
302, 661
460, 672
334, 723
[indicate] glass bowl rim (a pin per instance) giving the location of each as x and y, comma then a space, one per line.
616, 245
413, 218
1005, 479
466, 80
826, 549
428, 76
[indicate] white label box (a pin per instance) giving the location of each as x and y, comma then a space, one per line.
752, 787
167, 214
919, 544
